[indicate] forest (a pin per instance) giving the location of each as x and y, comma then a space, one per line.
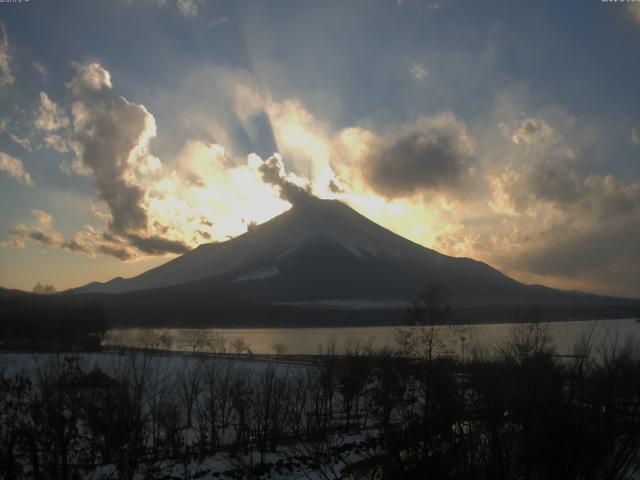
519, 411
49, 322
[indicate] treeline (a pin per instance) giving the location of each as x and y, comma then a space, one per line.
50, 322
516, 412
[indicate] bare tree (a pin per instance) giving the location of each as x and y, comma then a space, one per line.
189, 379
528, 339
218, 342
44, 289
239, 345
196, 338
148, 339
166, 340
279, 348
427, 316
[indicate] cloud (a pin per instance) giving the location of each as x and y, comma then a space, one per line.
189, 8
520, 187
430, 154
206, 222
217, 21
89, 77
56, 142
534, 131
76, 245
633, 12
273, 173
109, 137
36, 234
23, 142
50, 116
40, 69
635, 136
536, 165
418, 72
154, 245
108, 131
42, 217
548, 221
606, 258
6, 77
88, 241
13, 167
43, 233
335, 186
120, 253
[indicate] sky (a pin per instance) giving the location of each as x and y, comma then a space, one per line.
132, 131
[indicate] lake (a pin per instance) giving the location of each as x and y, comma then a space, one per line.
315, 340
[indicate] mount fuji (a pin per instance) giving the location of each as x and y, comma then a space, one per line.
321, 255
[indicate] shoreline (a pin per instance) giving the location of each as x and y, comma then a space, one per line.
278, 326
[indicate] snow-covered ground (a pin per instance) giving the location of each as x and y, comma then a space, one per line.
165, 376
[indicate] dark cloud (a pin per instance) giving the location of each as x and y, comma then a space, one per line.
555, 182
107, 128
203, 234
163, 229
587, 252
196, 181
36, 234
334, 187
546, 180
586, 228
606, 257
75, 245
433, 154
109, 237
90, 242
120, 253
206, 222
50, 239
155, 245
273, 173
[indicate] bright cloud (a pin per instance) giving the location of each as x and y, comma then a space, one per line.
418, 71
50, 116
6, 77
14, 168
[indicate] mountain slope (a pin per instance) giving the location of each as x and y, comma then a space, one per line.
322, 253
319, 243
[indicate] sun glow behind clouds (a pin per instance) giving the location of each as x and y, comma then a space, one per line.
204, 194
497, 193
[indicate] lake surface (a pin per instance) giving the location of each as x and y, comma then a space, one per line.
316, 340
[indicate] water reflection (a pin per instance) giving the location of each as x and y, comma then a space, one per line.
318, 340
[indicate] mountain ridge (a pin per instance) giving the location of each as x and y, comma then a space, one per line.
314, 261
277, 238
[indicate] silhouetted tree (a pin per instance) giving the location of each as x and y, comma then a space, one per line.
44, 289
